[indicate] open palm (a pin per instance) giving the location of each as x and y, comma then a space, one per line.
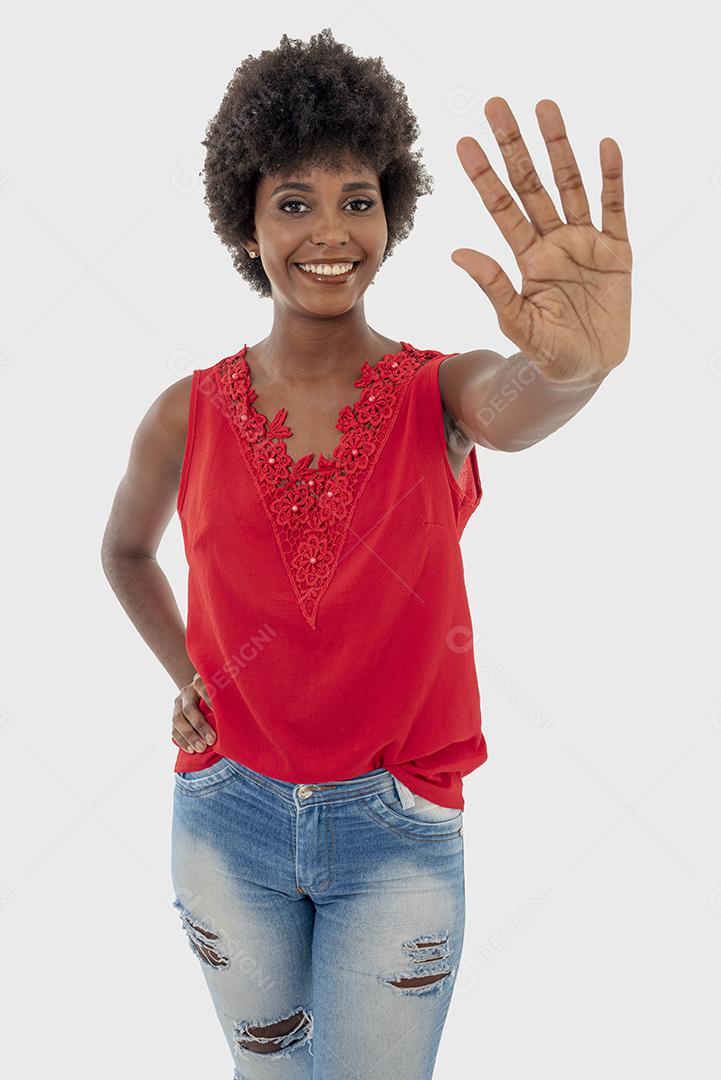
572, 315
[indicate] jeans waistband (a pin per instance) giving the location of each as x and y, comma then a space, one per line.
330, 790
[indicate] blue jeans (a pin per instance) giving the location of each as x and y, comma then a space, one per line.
327, 919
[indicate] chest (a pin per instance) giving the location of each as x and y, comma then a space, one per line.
325, 481
312, 419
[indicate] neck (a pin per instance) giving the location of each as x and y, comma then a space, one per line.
301, 348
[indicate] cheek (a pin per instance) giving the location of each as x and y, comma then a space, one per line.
376, 238
277, 237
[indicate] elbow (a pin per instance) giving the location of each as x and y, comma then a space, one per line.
108, 560
516, 446
499, 442
112, 555
108, 550
105, 554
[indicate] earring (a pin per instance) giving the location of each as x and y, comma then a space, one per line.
253, 254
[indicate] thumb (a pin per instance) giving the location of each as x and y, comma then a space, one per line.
492, 278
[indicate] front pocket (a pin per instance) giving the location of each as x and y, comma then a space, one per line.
203, 781
424, 820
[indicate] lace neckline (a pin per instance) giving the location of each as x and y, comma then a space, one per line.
278, 429
311, 508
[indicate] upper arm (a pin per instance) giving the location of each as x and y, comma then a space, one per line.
461, 378
457, 443
145, 499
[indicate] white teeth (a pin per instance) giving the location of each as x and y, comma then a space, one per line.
327, 269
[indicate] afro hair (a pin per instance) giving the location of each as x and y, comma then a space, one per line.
308, 104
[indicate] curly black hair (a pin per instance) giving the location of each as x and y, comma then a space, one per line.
309, 104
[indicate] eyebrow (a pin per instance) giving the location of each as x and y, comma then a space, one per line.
295, 184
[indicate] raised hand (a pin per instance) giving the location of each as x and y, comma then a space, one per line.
572, 315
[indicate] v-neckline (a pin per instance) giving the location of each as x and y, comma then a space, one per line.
310, 508
280, 429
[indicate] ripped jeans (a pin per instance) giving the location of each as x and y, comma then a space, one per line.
327, 919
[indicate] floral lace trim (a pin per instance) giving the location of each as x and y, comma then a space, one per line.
311, 508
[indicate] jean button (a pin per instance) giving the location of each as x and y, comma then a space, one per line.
305, 792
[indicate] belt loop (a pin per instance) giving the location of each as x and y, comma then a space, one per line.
406, 796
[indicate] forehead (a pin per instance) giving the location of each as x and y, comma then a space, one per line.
339, 176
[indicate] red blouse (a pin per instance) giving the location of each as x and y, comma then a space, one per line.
327, 608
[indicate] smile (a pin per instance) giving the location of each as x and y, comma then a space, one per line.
327, 272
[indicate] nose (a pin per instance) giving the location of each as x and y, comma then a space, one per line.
329, 228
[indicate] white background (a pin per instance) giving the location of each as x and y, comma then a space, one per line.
592, 851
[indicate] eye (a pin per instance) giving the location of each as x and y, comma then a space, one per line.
366, 203
291, 202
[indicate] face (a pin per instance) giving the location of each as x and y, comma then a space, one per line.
320, 217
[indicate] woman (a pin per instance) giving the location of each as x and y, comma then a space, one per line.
328, 706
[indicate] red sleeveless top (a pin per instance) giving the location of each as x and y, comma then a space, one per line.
327, 608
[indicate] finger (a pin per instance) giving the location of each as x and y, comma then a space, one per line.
189, 699
563, 162
182, 742
200, 687
612, 201
495, 283
191, 723
191, 736
520, 167
504, 210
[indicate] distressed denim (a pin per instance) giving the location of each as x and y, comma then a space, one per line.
327, 919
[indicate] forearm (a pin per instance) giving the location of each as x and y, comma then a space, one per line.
145, 593
510, 405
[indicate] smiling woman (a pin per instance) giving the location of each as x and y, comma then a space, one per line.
303, 105
331, 237
328, 705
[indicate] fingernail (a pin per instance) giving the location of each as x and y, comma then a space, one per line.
199, 746
209, 738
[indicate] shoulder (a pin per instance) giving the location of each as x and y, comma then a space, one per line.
171, 408
161, 434
440, 363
